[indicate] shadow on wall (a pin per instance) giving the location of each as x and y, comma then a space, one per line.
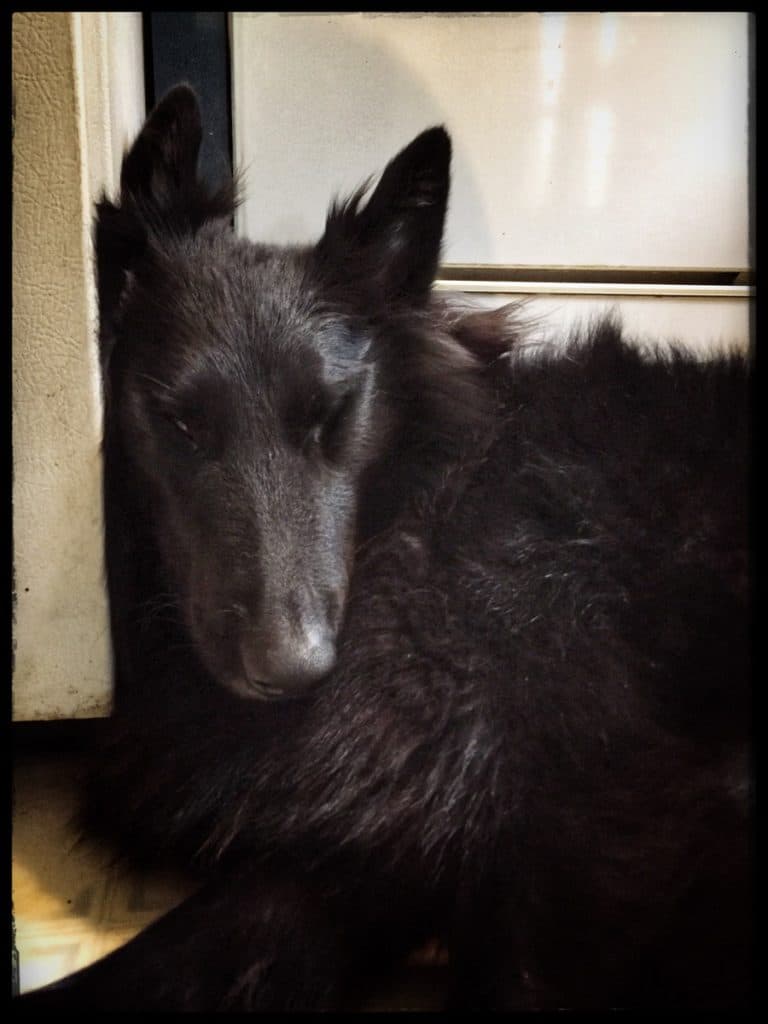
350, 134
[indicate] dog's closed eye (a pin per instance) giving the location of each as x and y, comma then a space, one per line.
184, 429
328, 418
183, 433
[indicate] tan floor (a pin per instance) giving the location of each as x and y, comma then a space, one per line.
71, 906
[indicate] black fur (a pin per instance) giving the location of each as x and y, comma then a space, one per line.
497, 602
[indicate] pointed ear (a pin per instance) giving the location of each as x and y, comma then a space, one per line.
160, 191
159, 174
394, 241
163, 159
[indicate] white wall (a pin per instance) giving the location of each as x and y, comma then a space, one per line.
580, 139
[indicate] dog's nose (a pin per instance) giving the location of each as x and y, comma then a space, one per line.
297, 664
290, 663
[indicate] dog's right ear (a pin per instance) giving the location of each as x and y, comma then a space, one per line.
160, 192
162, 162
159, 176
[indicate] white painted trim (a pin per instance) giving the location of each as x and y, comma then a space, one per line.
109, 55
78, 86
691, 291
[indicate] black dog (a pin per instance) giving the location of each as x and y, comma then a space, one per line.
417, 634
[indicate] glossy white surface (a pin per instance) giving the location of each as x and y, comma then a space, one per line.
582, 139
702, 325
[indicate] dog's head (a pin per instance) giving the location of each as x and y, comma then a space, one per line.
244, 384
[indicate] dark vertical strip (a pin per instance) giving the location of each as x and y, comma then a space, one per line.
752, 134
193, 47
149, 76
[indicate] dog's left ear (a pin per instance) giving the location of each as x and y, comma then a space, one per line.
394, 241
